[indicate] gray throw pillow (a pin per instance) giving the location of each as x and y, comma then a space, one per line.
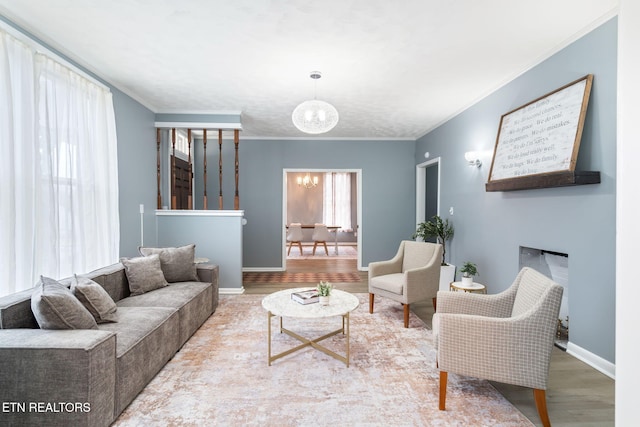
143, 274
95, 299
177, 263
55, 307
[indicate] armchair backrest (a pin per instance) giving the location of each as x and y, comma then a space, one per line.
536, 289
419, 254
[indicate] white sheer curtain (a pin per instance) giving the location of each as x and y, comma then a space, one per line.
59, 202
336, 209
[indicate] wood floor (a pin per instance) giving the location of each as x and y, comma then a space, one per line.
578, 395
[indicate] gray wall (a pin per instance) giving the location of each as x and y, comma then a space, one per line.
580, 221
388, 191
136, 172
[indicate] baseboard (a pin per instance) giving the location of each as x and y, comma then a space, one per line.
596, 362
230, 291
262, 269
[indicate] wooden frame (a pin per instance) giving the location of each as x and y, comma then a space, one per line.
537, 144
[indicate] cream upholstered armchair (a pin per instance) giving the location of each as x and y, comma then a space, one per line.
507, 337
412, 275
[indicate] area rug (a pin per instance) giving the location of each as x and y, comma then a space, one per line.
344, 252
284, 277
221, 376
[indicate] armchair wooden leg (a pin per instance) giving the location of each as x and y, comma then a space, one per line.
371, 297
290, 245
300, 247
325, 248
315, 245
443, 390
406, 315
541, 403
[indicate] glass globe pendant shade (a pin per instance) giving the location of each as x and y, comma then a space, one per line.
315, 117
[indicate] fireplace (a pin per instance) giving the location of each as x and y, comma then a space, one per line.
554, 265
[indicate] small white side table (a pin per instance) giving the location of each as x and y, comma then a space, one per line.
474, 287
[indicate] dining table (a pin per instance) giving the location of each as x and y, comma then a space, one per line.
331, 228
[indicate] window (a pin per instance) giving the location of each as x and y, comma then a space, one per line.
59, 213
336, 209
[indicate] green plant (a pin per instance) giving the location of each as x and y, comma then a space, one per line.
469, 269
324, 288
441, 229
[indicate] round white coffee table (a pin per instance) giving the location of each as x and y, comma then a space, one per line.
280, 304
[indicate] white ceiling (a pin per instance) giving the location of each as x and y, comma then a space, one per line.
392, 69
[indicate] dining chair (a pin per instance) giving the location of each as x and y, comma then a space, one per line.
320, 235
294, 236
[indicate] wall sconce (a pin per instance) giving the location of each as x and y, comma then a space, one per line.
472, 158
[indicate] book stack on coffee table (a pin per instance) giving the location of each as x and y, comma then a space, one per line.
308, 296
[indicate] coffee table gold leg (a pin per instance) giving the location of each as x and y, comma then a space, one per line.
269, 336
347, 316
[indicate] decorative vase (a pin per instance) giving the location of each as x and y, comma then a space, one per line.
324, 300
467, 281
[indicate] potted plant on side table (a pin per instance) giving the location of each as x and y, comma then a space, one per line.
442, 231
324, 292
468, 270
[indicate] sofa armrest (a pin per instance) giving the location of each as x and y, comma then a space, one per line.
209, 273
57, 377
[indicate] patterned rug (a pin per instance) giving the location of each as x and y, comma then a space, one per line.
221, 376
284, 277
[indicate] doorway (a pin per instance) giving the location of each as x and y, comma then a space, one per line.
427, 190
181, 187
310, 210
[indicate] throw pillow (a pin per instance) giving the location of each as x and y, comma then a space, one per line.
177, 263
95, 299
55, 307
144, 274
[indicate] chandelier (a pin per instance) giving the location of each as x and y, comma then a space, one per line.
315, 116
307, 181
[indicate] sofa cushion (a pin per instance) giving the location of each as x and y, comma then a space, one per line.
144, 274
55, 307
113, 278
95, 299
193, 300
177, 263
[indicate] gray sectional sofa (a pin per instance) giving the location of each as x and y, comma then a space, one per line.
87, 377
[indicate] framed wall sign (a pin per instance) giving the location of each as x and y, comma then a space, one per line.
538, 143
